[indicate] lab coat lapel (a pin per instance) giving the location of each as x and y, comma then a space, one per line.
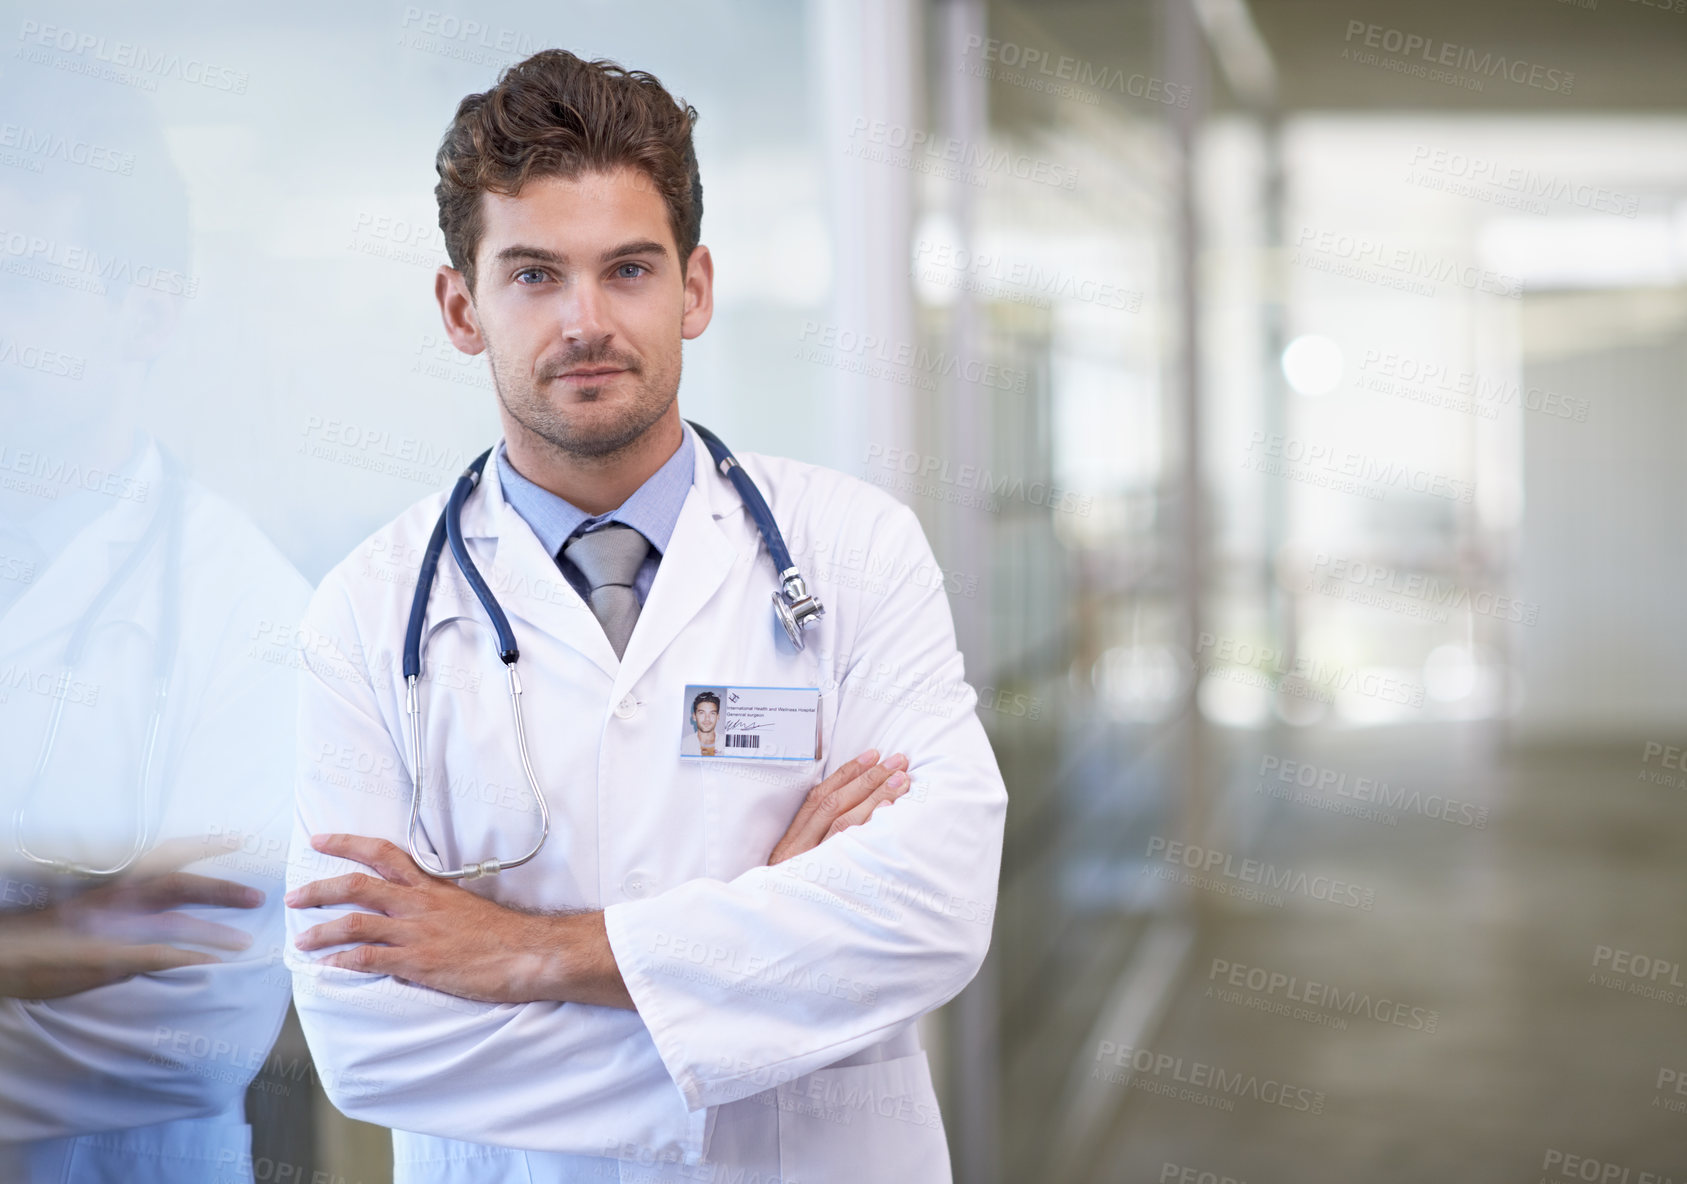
700, 554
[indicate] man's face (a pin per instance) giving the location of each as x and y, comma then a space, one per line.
582, 308
704, 715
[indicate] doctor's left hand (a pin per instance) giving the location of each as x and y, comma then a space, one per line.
436, 934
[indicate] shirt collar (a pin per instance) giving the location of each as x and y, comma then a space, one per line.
652, 509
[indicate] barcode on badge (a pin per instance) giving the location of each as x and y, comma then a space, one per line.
751, 741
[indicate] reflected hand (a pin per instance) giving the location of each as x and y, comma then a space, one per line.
123, 927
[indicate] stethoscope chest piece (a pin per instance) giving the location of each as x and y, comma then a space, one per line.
796, 609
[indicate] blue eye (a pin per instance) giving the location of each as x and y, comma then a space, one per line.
641, 268
527, 271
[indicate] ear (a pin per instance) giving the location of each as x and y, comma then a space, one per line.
699, 293
456, 310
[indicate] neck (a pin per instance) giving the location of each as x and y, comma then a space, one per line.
595, 484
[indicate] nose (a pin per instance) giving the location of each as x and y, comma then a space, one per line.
585, 317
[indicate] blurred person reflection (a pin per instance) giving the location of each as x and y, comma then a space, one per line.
145, 724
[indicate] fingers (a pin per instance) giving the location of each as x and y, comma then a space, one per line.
353, 888
893, 787
386, 858
841, 776
845, 790
173, 928
852, 793
179, 888
346, 930
368, 959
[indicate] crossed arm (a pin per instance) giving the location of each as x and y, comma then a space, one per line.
437, 934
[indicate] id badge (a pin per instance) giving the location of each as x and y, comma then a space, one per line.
750, 723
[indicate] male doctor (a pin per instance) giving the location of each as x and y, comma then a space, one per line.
705, 717
711, 970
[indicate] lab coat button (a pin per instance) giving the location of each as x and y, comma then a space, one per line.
626, 708
636, 885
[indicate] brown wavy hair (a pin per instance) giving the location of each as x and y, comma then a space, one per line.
555, 115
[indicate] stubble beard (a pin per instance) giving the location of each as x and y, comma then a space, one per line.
604, 437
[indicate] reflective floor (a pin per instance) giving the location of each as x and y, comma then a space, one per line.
1545, 942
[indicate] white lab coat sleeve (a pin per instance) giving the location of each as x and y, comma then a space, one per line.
748, 983
542, 1076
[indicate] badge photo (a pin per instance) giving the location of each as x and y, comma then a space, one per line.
750, 723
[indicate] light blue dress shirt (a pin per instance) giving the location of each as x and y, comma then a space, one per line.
652, 510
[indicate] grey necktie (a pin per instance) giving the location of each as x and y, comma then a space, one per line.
609, 558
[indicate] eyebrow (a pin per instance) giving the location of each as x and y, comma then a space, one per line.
522, 253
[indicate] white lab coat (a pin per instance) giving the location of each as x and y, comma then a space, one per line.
774, 1038
143, 1081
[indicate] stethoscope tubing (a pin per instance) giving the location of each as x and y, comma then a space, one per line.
448, 531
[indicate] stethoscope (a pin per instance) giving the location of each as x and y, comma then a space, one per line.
793, 605
166, 522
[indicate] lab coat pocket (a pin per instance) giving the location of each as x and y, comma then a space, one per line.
863, 1122
428, 1159
187, 1151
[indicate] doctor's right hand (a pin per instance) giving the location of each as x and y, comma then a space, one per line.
847, 798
